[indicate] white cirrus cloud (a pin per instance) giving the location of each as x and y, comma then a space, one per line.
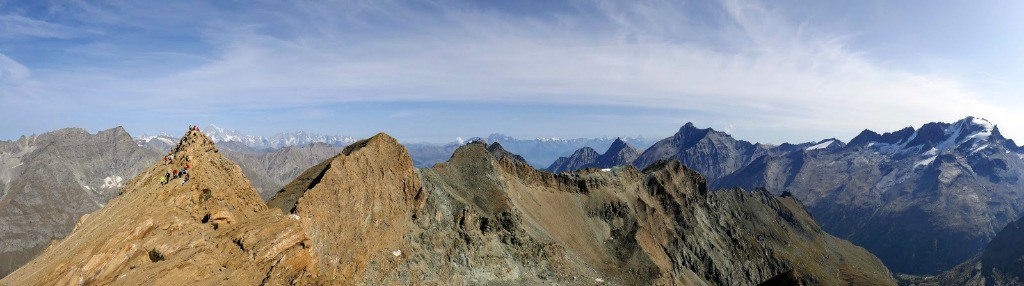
742, 62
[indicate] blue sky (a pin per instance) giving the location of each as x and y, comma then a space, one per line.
772, 71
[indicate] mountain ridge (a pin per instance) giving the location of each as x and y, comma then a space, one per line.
618, 154
490, 216
950, 186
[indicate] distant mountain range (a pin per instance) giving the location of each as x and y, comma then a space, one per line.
923, 200
281, 140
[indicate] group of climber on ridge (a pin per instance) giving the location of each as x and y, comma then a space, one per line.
177, 173
174, 174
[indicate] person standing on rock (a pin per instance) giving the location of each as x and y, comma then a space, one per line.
185, 180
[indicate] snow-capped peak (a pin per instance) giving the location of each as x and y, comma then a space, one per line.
986, 128
938, 137
218, 135
155, 140
549, 139
970, 129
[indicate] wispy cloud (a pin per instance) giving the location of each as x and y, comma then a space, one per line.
11, 71
12, 26
743, 62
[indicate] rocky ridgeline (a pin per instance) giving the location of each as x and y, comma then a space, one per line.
367, 216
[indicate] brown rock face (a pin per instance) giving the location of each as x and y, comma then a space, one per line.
359, 211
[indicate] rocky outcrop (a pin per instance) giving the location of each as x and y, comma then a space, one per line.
619, 153
48, 181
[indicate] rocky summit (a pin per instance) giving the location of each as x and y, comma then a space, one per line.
367, 216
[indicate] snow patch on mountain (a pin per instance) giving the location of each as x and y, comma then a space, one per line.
979, 148
824, 144
925, 162
112, 182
